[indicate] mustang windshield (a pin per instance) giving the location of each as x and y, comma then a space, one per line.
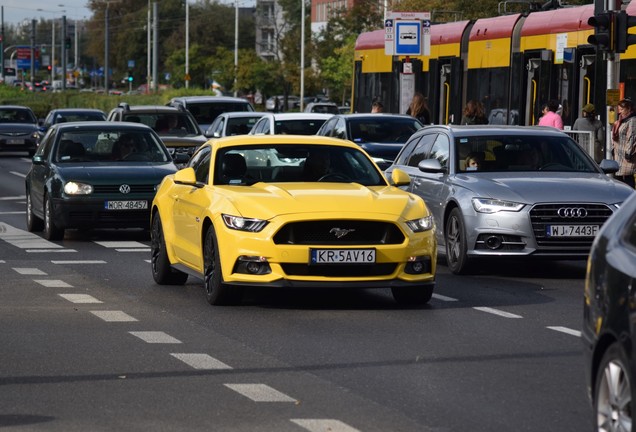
295, 163
521, 153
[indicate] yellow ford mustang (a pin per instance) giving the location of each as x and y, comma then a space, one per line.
291, 211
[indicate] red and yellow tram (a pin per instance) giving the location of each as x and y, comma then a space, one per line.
511, 63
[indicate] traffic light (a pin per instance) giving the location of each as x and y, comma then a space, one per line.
130, 76
623, 38
67, 42
603, 37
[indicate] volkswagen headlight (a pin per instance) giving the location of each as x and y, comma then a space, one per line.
76, 188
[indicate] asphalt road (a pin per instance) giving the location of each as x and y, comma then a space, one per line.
88, 342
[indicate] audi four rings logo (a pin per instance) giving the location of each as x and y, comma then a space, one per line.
124, 189
340, 232
572, 212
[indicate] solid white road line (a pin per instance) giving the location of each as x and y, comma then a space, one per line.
133, 250
200, 361
114, 316
11, 212
444, 298
13, 198
497, 312
79, 298
49, 250
260, 393
53, 283
19, 174
29, 271
24, 239
322, 425
157, 337
565, 330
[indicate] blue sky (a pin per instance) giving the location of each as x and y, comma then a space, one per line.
16, 11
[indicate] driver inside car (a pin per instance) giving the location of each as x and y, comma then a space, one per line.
124, 147
317, 165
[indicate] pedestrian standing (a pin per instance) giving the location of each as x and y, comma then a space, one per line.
550, 116
419, 109
589, 123
624, 142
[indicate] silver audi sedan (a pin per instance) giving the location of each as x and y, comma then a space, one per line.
509, 191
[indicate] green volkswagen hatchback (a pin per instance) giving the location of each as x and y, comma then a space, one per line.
95, 175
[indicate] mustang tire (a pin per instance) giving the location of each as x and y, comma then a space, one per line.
162, 273
216, 291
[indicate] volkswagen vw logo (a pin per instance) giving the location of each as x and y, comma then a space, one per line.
340, 232
124, 189
572, 212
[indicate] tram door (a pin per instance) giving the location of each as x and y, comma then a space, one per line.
586, 80
446, 87
538, 69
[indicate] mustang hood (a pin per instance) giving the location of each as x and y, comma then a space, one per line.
110, 174
545, 187
265, 201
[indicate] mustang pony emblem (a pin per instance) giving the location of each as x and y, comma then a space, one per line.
340, 232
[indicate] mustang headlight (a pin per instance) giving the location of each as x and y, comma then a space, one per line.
489, 205
244, 224
421, 224
75, 188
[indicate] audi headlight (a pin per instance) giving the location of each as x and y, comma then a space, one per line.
75, 188
421, 224
244, 224
489, 205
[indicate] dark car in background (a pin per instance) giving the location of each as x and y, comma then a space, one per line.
608, 321
533, 193
380, 135
18, 129
175, 125
95, 175
65, 115
207, 108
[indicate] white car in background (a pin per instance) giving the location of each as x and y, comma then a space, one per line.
290, 123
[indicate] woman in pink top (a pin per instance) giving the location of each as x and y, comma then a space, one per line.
550, 116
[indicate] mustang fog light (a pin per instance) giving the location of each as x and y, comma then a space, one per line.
256, 265
75, 188
418, 265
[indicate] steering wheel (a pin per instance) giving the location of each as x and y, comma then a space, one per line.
550, 165
335, 177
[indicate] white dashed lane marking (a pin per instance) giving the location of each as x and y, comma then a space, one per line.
78, 262
13, 198
497, 312
114, 316
565, 330
53, 283
200, 361
322, 425
124, 246
50, 250
444, 298
29, 271
260, 393
157, 337
79, 298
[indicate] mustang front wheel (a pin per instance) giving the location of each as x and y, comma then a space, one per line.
216, 291
162, 273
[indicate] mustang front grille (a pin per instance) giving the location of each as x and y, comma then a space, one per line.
339, 232
576, 214
339, 270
